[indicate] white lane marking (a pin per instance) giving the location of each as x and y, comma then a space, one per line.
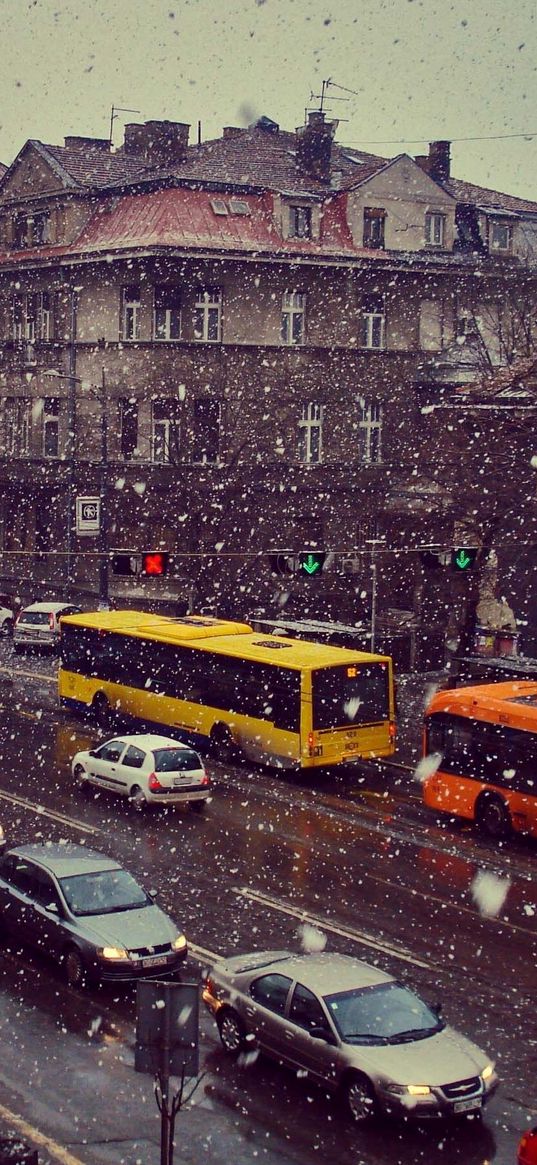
357, 936
40, 810
61, 1155
203, 954
28, 675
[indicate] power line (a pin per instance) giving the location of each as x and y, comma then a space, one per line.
425, 141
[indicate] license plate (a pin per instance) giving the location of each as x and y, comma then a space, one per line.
155, 961
466, 1105
178, 781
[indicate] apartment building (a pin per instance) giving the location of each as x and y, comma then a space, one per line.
244, 346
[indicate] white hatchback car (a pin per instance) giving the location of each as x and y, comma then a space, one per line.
148, 769
7, 620
39, 625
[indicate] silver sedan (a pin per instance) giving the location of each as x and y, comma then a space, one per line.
351, 1027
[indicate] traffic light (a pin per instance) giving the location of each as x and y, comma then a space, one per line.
150, 563
463, 558
283, 562
125, 562
311, 562
154, 562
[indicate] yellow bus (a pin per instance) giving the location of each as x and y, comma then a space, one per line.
278, 701
485, 741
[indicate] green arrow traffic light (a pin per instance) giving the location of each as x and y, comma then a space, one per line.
463, 558
311, 563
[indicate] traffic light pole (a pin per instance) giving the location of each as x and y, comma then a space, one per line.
103, 492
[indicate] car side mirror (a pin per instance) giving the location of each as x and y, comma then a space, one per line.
322, 1033
152, 894
52, 908
92, 752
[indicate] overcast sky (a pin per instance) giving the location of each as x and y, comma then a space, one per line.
419, 69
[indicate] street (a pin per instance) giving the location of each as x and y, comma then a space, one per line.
355, 855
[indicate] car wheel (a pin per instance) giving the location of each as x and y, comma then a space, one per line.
232, 1031
222, 745
198, 806
136, 797
75, 972
7, 627
493, 817
81, 779
359, 1097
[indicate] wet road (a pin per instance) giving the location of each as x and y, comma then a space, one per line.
358, 856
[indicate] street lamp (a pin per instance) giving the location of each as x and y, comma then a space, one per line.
100, 392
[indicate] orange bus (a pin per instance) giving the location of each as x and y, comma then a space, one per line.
486, 740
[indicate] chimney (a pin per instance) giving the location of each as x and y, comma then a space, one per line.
439, 161
231, 131
73, 142
314, 145
159, 143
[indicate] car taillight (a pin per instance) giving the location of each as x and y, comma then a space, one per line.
154, 783
393, 729
51, 620
205, 780
17, 617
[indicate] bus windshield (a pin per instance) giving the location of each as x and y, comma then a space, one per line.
357, 694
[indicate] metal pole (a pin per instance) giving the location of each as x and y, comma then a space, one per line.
373, 601
103, 530
71, 435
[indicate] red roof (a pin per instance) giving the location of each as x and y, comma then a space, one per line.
185, 218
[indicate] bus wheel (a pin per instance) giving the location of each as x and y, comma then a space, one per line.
492, 816
102, 711
222, 745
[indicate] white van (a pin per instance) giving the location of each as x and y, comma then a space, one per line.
39, 625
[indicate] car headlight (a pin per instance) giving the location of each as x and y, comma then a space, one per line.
179, 943
410, 1089
487, 1072
113, 953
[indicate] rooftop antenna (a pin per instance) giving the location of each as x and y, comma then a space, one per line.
114, 112
323, 95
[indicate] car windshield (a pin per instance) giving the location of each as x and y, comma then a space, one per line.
175, 760
103, 892
386, 1014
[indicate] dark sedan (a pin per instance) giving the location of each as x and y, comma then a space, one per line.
88, 913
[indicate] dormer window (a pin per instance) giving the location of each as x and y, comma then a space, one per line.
435, 228
374, 220
300, 222
31, 230
501, 235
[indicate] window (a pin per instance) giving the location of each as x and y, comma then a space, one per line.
219, 206
293, 317
31, 230
311, 432
370, 426
207, 416
271, 991
17, 426
306, 1011
373, 322
51, 413
300, 222
208, 315
165, 432
501, 236
130, 313
31, 317
238, 206
134, 757
435, 224
128, 427
167, 321
374, 219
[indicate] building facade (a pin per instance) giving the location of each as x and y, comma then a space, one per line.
247, 346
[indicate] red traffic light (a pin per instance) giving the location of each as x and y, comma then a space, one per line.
154, 562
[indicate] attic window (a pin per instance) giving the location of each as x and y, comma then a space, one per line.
219, 206
300, 222
238, 206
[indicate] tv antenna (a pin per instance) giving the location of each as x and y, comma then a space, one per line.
323, 95
114, 112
